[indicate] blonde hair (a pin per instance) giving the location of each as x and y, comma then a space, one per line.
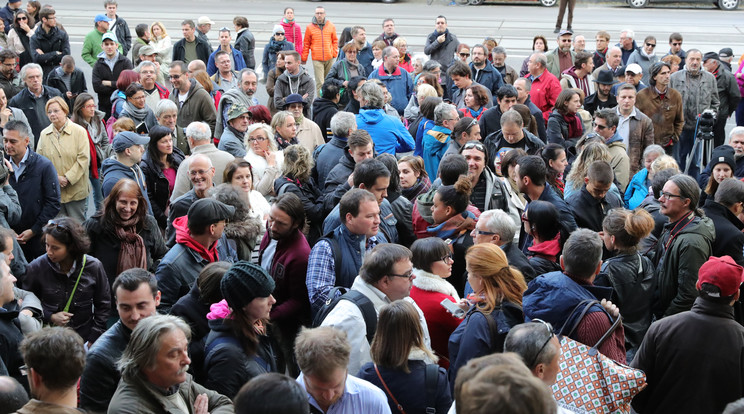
297, 163
59, 101
265, 128
162, 27
664, 162
425, 90
501, 281
593, 151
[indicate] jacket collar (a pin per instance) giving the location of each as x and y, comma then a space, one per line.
706, 307
376, 296
433, 283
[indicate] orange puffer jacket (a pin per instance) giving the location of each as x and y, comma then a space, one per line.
322, 41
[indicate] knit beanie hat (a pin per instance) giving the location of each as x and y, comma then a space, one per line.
245, 281
277, 28
723, 154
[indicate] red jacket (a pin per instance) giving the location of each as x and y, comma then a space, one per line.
293, 34
544, 92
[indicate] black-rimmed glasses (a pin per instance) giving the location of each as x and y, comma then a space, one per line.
408, 275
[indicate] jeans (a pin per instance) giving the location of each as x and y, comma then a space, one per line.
684, 146
96, 191
740, 113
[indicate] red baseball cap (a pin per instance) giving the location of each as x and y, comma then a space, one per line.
722, 272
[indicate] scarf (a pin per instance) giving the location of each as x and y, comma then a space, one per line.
422, 185
575, 128
137, 115
288, 21
275, 46
473, 113
283, 143
132, 248
93, 156
453, 227
515, 189
643, 52
183, 236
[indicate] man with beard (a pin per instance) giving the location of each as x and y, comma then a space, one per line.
483, 72
602, 97
663, 105
562, 57
294, 80
284, 253
244, 93
10, 82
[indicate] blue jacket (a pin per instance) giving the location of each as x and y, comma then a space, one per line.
236, 56
436, 142
423, 127
637, 190
232, 143
387, 232
489, 77
38, 194
387, 132
398, 83
112, 171
409, 388
564, 211
364, 57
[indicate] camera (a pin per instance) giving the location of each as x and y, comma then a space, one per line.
705, 123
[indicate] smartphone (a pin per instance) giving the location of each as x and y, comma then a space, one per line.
453, 308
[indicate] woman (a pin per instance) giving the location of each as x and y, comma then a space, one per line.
476, 99
292, 30
33, 7
345, 69
432, 265
71, 285
413, 177
418, 61
20, 35
399, 361
539, 45
260, 114
86, 114
8, 113
377, 47
528, 120
239, 173
121, 125
645, 56
405, 62
271, 80
122, 234
285, 129
630, 274
296, 179
277, 43
135, 107
159, 166
723, 167
67, 146
161, 42
593, 151
354, 85
739, 75
453, 222
554, 156
119, 97
564, 124
496, 305
237, 347
542, 222
638, 188
265, 159
5, 42
202, 77
244, 231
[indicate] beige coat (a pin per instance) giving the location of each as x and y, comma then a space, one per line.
309, 135
70, 155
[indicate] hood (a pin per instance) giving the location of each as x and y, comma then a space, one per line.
117, 94
616, 139
571, 72
183, 236
111, 166
650, 203
323, 104
372, 116
548, 249
424, 202
346, 160
703, 227
247, 230
315, 22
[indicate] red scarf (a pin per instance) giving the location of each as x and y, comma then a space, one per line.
93, 156
183, 236
575, 128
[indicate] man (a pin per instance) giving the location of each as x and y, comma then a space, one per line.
525, 340
236, 57
728, 94
562, 57
436, 140
579, 43
459, 74
148, 53
627, 44
594, 200
603, 96
602, 41
554, 296
396, 79
342, 125
387, 131
129, 148
106, 71
488, 191
385, 276
321, 39
508, 73
225, 76
10, 82
201, 175
198, 243
531, 183
33, 98
325, 107
724, 211
323, 355
633, 76
48, 43
35, 181
579, 75
137, 297
118, 26
154, 92
191, 47
675, 48
511, 135
613, 63
465, 130
674, 346
606, 123
506, 97
232, 140
12, 394
388, 34
156, 359
483, 72
166, 113
545, 86
199, 138
143, 39
294, 79
683, 247
441, 44
699, 92
364, 55
308, 132
8, 12
635, 128
245, 42
94, 39
245, 94
498, 227
357, 148
361, 221
54, 359
523, 87
663, 106
203, 26
68, 79
194, 103
726, 56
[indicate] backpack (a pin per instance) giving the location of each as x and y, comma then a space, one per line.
365, 305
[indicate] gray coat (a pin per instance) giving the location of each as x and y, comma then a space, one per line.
229, 142
304, 85
696, 96
444, 52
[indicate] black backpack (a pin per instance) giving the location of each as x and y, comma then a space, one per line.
365, 305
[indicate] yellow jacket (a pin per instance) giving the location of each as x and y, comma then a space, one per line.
70, 155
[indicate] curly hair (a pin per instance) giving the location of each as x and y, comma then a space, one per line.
69, 232
297, 163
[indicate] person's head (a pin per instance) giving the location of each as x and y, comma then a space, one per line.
722, 164
440, 24
660, 178
260, 114
679, 197
124, 124
411, 168
157, 29
502, 390
614, 57
490, 275
390, 58
7, 280
582, 254
198, 133
124, 204
599, 178
135, 94
391, 163
606, 120
660, 73
323, 356
110, 45
466, 130
8, 61
434, 67
147, 71
360, 212
179, 76
579, 42
224, 37
388, 27
602, 39
208, 282
506, 97
142, 31
675, 42
583, 61
320, 14
271, 393
649, 45
259, 137
372, 175
568, 102
452, 167
223, 62
432, 255
650, 154
494, 226
298, 163
446, 115
531, 173
736, 140
694, 60
388, 267
523, 87
57, 111
207, 219
166, 113
451, 200
48, 17
460, 74
371, 96
511, 126
12, 394
623, 229
719, 280
158, 352
65, 239
359, 34
539, 44
499, 56
633, 75
236, 197
476, 157
188, 29
398, 333
537, 64
663, 162
248, 81
426, 108
423, 91
377, 47
239, 174
137, 296
463, 53
283, 124
508, 163
55, 359
554, 156
479, 55
16, 139
239, 117
626, 38
287, 215
538, 346
342, 123
31, 74
476, 96
564, 40
673, 60
247, 289
541, 221
201, 174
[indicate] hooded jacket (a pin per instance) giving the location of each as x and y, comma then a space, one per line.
569, 79
323, 111
293, 34
199, 106
112, 171
495, 141
589, 211
619, 159
398, 83
321, 40
436, 142
287, 84
387, 132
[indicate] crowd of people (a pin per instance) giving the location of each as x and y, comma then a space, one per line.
397, 232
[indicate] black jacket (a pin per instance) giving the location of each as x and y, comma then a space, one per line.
495, 141
323, 111
592, 103
123, 35
192, 310
516, 258
312, 202
326, 158
25, 101
101, 72
203, 50
157, 185
539, 120
338, 176
101, 375
729, 239
589, 212
10, 338
51, 44
490, 121
78, 84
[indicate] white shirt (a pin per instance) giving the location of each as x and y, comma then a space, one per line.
623, 125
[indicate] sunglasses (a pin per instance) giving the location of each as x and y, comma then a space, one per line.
474, 144
599, 127
551, 334
676, 43
465, 54
651, 44
56, 224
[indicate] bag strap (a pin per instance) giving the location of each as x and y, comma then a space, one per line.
431, 380
390, 394
587, 304
69, 300
368, 311
609, 332
493, 329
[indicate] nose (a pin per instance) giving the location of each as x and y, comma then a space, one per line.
271, 299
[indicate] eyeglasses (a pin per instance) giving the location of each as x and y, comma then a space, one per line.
551, 333
259, 139
448, 258
599, 127
474, 144
483, 233
465, 54
23, 369
22, 18
408, 275
194, 173
174, 76
676, 43
651, 44
669, 196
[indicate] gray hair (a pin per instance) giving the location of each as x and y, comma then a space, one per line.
198, 131
372, 95
499, 50
431, 65
730, 192
512, 117
688, 188
269, 135
146, 63
342, 122
244, 71
653, 149
18, 127
527, 340
498, 221
736, 131
163, 106
387, 51
614, 48
527, 83
143, 347
441, 111
420, 57
27, 66
232, 196
541, 59
628, 33
582, 253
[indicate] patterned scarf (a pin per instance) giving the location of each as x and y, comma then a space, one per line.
132, 248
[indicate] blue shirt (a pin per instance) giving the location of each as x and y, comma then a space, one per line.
359, 396
18, 169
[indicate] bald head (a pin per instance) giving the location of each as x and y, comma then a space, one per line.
195, 65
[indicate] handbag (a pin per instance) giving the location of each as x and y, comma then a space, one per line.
589, 381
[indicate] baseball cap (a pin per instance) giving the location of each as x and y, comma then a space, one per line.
109, 36
209, 211
147, 50
204, 20
565, 32
634, 68
101, 18
723, 273
710, 55
726, 52
126, 139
